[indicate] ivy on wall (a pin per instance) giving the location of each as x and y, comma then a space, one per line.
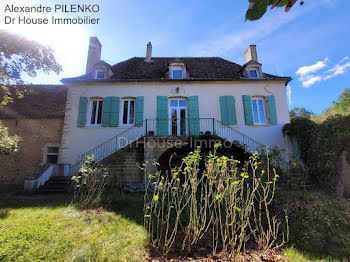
320, 146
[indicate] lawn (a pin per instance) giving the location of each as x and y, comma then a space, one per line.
52, 230
34, 230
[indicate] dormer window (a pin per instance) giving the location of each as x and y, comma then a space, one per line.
177, 72
100, 74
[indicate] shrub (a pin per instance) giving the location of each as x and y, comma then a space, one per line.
227, 201
89, 185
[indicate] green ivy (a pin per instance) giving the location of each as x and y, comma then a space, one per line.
320, 146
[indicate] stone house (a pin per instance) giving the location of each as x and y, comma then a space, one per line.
38, 120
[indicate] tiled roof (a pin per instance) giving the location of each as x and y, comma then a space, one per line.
44, 101
198, 68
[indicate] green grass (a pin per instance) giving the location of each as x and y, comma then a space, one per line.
46, 231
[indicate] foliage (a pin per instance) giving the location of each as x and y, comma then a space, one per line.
320, 146
229, 202
51, 230
89, 185
257, 8
300, 112
8, 143
340, 107
319, 224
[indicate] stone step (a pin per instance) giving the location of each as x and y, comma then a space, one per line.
55, 185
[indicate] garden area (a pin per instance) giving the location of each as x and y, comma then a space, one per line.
229, 211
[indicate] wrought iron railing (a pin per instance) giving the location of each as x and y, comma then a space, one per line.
173, 127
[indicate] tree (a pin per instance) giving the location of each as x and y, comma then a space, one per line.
257, 8
18, 56
300, 112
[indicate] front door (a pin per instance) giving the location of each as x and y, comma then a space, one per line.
178, 117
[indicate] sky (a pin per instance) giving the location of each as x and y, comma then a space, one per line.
311, 43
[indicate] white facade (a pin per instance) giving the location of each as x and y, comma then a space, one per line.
78, 140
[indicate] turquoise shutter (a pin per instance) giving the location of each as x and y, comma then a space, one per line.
223, 110
193, 111
139, 111
106, 116
228, 110
248, 114
162, 116
272, 110
82, 111
114, 111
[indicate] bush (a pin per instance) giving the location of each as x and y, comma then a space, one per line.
227, 201
89, 185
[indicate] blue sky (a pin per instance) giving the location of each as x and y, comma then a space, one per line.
311, 43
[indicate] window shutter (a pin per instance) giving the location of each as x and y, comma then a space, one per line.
139, 111
193, 110
82, 111
114, 111
106, 116
162, 116
228, 110
223, 110
272, 110
248, 114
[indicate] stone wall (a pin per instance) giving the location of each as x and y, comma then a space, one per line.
37, 134
124, 166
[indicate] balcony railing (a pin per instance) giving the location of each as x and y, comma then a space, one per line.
174, 127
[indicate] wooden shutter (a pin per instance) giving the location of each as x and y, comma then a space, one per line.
162, 116
107, 109
272, 110
248, 114
114, 111
139, 111
82, 111
228, 110
193, 112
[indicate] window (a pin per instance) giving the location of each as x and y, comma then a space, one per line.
51, 155
177, 72
259, 115
96, 112
253, 73
100, 74
128, 111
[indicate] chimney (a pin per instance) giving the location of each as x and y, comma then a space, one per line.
94, 54
251, 54
149, 53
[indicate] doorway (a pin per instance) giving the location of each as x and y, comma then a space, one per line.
178, 117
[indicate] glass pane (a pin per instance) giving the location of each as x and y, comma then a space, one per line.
51, 159
100, 75
182, 103
99, 114
52, 150
125, 113
173, 122
183, 122
262, 112
253, 73
255, 111
174, 103
177, 74
132, 112
93, 113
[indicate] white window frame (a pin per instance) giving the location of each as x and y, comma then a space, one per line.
264, 110
128, 114
99, 71
92, 100
52, 154
177, 68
